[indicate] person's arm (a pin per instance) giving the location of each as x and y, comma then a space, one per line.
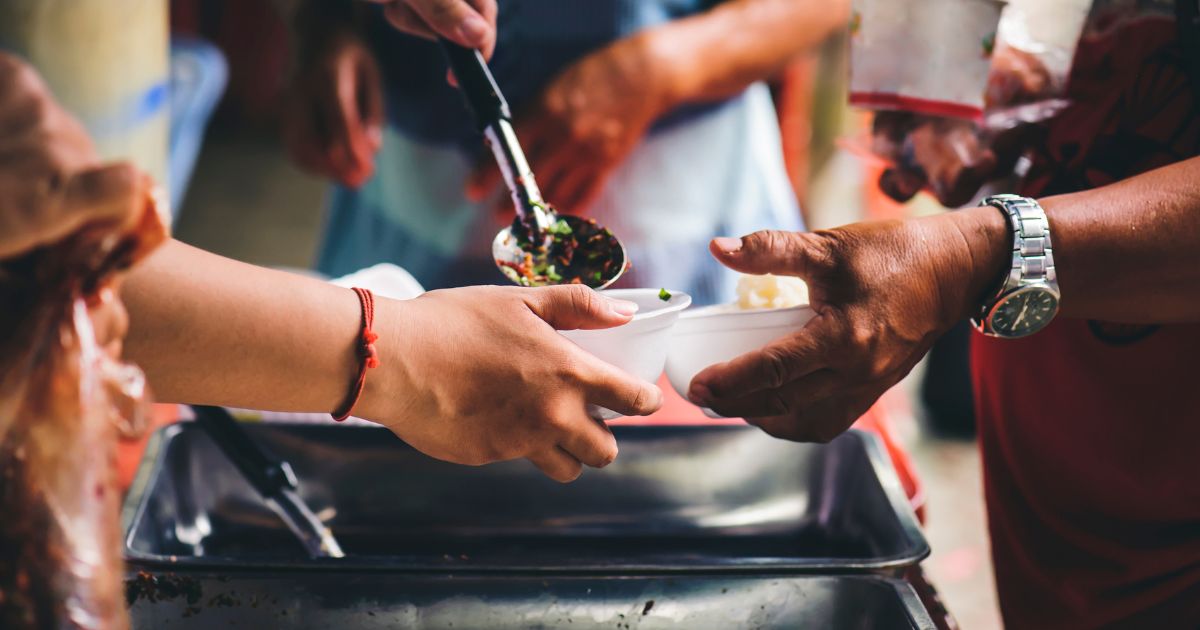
592, 115
469, 375
883, 292
716, 54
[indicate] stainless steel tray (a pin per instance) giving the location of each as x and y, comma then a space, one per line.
678, 499
389, 600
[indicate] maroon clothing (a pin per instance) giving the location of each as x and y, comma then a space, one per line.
1090, 432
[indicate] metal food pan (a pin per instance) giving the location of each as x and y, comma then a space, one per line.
678, 498
389, 600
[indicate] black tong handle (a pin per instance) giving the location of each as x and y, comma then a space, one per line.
266, 473
477, 84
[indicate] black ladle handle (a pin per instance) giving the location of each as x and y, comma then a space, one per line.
475, 81
266, 473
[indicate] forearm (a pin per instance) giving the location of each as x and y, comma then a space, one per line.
1128, 252
717, 54
210, 330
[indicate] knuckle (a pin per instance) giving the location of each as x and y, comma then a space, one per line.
442, 12
774, 367
777, 403
581, 298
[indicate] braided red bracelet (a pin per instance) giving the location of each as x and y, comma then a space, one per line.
366, 351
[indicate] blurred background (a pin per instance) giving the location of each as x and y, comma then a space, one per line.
238, 194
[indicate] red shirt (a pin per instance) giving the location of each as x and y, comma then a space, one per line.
1090, 432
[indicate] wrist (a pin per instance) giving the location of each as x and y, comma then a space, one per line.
389, 381
981, 258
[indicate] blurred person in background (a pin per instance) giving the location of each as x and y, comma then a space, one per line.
1087, 428
649, 116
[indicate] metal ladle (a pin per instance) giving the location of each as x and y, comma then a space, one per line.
538, 235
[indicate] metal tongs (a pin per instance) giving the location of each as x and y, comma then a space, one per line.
601, 259
273, 478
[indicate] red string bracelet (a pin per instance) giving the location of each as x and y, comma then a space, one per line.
366, 352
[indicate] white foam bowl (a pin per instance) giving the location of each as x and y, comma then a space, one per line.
639, 347
716, 334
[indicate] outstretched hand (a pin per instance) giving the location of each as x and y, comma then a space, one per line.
480, 375
882, 292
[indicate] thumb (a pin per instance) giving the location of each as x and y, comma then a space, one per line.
766, 251
577, 307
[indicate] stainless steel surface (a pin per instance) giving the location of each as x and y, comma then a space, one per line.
316, 538
535, 219
272, 478
518, 177
386, 600
716, 498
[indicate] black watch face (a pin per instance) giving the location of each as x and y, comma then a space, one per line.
1024, 312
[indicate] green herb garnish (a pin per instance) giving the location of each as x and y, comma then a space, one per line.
664, 295
553, 274
560, 228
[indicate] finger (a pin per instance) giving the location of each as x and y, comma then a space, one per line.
821, 421
457, 21
612, 388
490, 12
557, 464
370, 104
405, 19
781, 401
772, 366
590, 442
768, 251
349, 126
333, 147
901, 184
577, 307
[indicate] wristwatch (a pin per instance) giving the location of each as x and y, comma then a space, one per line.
1028, 298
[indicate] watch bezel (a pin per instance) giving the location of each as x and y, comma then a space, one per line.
989, 328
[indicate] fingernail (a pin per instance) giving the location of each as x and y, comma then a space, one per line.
473, 29
375, 135
699, 394
622, 307
727, 244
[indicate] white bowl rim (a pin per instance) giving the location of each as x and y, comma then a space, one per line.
678, 302
716, 310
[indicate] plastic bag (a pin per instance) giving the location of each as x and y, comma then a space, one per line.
64, 400
950, 117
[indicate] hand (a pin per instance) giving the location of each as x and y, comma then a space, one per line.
333, 119
478, 375
470, 23
952, 157
584, 124
883, 292
52, 183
